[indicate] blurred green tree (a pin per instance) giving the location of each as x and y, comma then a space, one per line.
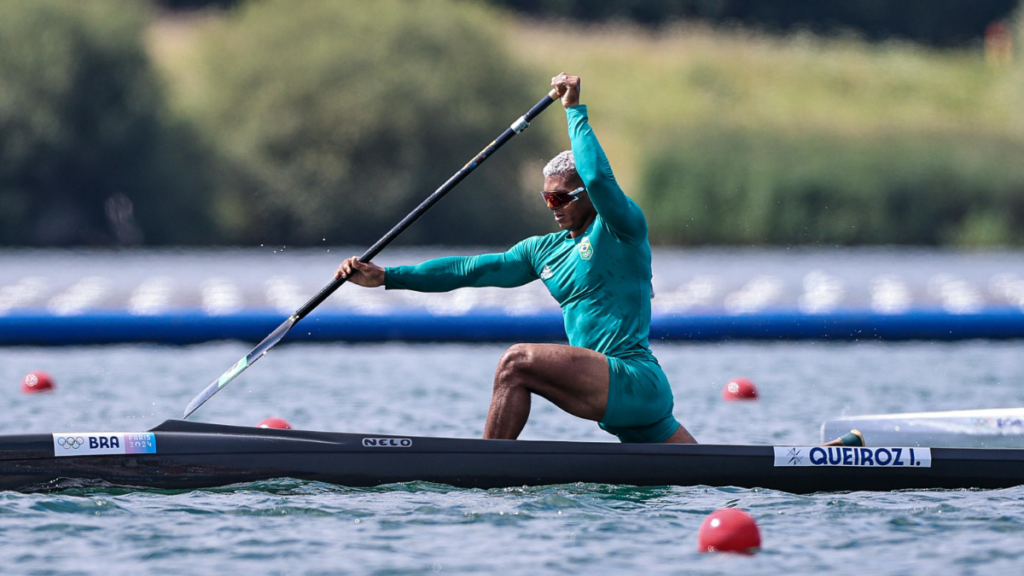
195, 4
87, 155
729, 186
338, 117
934, 22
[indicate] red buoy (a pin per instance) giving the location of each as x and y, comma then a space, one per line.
739, 389
274, 422
728, 530
37, 381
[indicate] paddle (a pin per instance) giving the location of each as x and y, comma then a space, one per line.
277, 335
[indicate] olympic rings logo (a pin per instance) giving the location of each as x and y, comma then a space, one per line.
70, 442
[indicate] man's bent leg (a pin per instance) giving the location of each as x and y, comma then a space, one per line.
574, 379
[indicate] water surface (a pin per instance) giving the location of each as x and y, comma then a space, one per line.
291, 527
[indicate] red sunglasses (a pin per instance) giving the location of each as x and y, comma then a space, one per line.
558, 199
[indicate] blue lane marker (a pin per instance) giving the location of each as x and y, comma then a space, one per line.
186, 326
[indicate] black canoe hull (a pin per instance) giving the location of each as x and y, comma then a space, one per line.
196, 455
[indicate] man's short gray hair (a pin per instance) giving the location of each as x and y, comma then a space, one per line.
562, 165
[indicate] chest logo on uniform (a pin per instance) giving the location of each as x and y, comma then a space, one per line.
586, 249
546, 273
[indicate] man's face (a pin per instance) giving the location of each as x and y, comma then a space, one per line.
574, 216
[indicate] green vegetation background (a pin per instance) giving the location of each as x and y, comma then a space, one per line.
298, 123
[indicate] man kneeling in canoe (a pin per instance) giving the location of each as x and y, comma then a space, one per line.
599, 270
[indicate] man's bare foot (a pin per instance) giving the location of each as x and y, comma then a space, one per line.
681, 436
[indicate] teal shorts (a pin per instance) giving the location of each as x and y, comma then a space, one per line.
639, 402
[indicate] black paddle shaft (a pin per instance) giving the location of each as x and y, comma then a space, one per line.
281, 331
518, 126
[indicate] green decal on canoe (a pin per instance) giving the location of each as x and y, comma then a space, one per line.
232, 372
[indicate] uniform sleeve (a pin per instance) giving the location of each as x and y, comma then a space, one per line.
620, 213
504, 270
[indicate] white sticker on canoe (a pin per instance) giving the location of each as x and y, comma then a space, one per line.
103, 443
853, 456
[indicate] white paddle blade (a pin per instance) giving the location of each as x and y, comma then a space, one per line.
258, 352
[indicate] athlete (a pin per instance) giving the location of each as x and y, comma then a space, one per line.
598, 268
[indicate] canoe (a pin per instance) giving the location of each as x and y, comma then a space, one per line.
991, 428
186, 455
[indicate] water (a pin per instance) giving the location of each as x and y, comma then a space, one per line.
290, 527
738, 280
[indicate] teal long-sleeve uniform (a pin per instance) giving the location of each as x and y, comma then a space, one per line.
601, 279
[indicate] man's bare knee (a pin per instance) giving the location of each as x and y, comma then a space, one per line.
514, 364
